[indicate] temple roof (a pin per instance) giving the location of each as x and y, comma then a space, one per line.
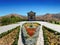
31, 12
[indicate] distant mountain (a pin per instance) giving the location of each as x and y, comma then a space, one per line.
15, 15
55, 17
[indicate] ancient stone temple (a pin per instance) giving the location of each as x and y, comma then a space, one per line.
31, 16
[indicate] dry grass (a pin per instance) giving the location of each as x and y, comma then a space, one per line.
9, 38
51, 38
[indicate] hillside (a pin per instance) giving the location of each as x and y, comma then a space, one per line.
13, 18
43, 17
54, 17
15, 15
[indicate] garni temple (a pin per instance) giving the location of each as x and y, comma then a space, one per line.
31, 16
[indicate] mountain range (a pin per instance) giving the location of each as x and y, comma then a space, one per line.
55, 17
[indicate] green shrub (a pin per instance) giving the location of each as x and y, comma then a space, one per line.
10, 20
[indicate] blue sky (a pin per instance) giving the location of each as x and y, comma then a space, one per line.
23, 6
